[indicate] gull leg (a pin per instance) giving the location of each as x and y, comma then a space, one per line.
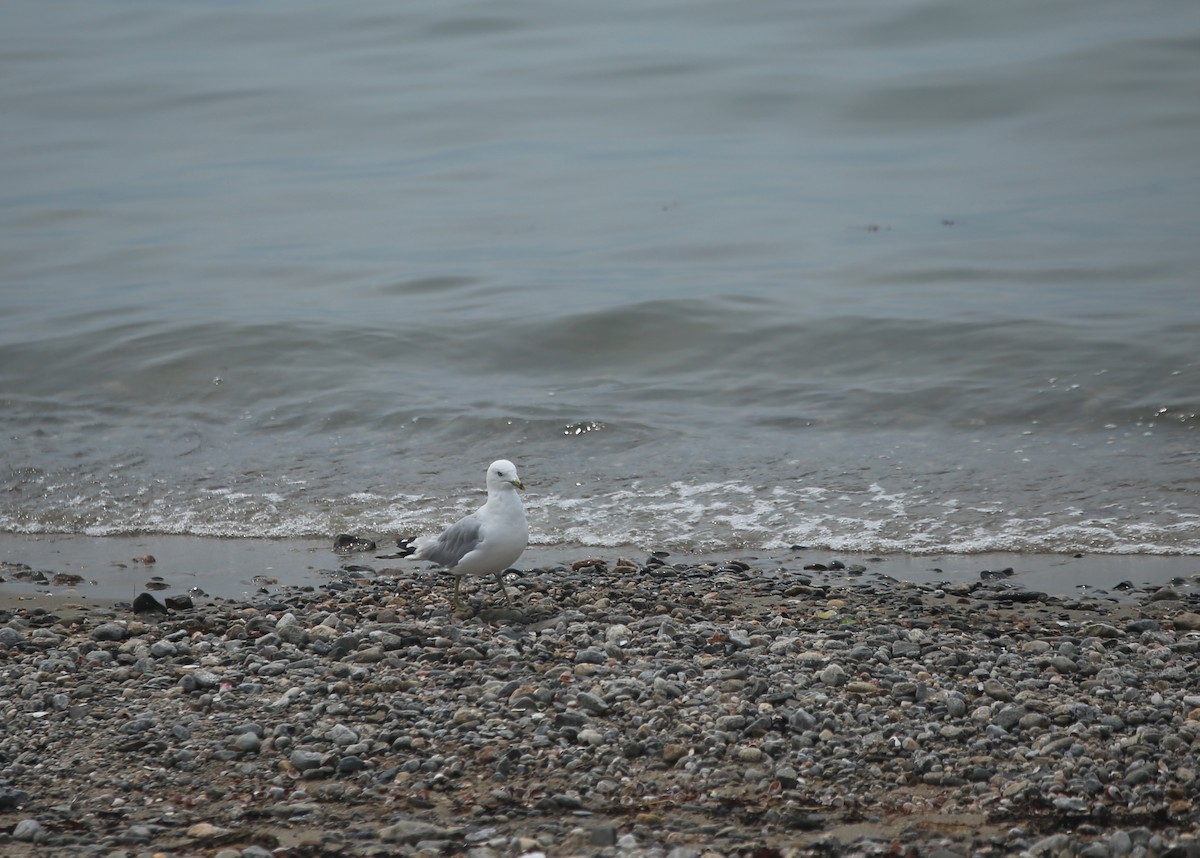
455, 597
504, 590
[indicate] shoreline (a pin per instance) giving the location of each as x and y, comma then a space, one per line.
109, 569
668, 711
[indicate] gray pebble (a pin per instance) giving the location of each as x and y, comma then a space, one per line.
304, 760
247, 743
411, 831
833, 675
371, 700
591, 656
603, 835
109, 632
1120, 843
28, 830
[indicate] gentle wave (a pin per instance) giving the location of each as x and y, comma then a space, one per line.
865, 276
698, 356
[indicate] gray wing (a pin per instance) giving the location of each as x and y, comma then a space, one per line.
455, 543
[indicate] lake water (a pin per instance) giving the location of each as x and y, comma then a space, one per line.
879, 276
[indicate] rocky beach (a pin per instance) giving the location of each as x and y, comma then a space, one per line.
656, 706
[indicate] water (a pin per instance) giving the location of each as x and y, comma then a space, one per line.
877, 277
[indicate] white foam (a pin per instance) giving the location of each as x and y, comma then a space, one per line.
690, 517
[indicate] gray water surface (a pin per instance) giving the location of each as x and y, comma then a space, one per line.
915, 277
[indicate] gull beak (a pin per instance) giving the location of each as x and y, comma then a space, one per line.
517, 482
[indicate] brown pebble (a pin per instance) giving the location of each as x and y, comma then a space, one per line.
584, 564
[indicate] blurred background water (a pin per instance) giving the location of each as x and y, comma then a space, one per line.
881, 276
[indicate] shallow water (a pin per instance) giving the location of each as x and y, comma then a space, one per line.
907, 277
107, 569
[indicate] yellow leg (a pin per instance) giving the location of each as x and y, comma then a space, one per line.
504, 590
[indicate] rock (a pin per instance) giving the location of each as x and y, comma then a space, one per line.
1052, 845
1119, 843
206, 831
109, 632
859, 687
1009, 717
591, 656
12, 798
603, 835
994, 689
1070, 804
145, 603
246, 743
1140, 774
591, 737
205, 679
341, 735
350, 764
833, 675
673, 753
1140, 626
956, 706
28, 830
1163, 594
411, 831
304, 760
348, 543
1187, 621
618, 634
592, 703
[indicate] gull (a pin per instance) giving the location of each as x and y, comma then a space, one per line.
487, 541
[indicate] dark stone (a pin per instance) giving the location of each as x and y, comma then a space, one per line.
12, 798
571, 718
145, 603
348, 543
350, 764
1018, 596
179, 603
603, 835
1144, 625
343, 646
1189, 849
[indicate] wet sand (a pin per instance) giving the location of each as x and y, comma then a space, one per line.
111, 570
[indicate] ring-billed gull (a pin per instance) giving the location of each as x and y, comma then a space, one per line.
487, 541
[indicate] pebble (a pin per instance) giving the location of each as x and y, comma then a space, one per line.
675, 709
28, 830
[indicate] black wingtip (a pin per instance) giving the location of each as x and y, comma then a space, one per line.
405, 544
